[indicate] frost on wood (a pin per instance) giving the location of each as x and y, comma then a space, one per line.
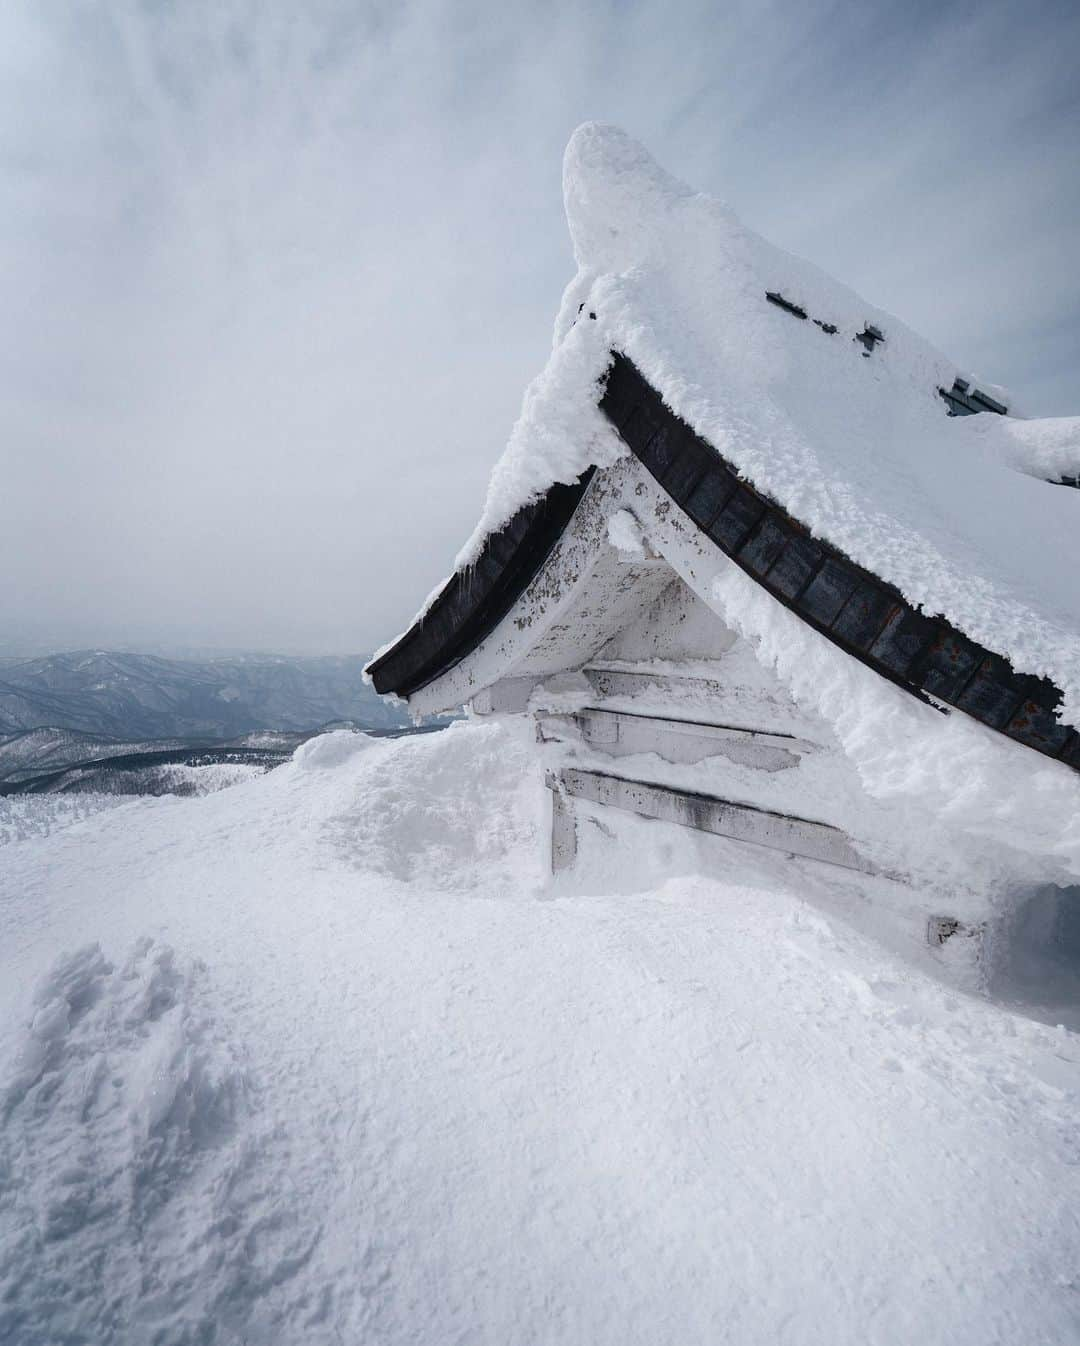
953, 511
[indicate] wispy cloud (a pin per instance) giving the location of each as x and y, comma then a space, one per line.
275, 276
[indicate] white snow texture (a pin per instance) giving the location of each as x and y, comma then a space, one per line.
326, 1057
332, 1062
953, 511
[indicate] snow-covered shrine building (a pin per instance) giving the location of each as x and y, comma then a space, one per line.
761, 563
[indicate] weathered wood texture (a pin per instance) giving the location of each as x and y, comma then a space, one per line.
721, 817
625, 734
672, 687
508, 696
473, 601
856, 610
563, 832
859, 612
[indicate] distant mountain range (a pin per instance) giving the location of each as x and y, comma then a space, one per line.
66, 761
140, 697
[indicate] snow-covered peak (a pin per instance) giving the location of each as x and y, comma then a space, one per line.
826, 403
616, 197
630, 220
680, 285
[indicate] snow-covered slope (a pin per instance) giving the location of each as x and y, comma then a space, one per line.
855, 444
325, 1060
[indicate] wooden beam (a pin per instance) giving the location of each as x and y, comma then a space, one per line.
721, 817
563, 832
508, 696
624, 733
627, 682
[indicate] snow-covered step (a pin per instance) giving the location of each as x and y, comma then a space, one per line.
620, 733
722, 817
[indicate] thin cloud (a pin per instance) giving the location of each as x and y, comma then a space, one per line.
276, 277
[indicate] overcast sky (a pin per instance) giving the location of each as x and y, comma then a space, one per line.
274, 276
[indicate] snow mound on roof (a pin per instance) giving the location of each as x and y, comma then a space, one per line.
616, 198
1047, 449
856, 444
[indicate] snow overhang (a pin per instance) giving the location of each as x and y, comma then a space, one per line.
858, 611
831, 453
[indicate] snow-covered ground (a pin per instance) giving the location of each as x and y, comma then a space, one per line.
326, 1058
41, 815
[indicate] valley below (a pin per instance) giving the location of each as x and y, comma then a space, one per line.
125, 723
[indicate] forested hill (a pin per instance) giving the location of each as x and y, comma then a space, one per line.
129, 696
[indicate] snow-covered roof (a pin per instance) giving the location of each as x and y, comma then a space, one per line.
842, 417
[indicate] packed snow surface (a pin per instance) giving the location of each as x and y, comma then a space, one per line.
27, 816
856, 445
324, 1057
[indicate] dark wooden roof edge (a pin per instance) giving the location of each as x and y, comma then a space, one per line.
858, 611
475, 599
864, 615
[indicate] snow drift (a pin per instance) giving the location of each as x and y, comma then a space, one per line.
314, 1078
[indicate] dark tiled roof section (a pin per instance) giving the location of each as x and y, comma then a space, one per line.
862, 614
473, 601
963, 400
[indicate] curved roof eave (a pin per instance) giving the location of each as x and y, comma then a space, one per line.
473, 601
862, 614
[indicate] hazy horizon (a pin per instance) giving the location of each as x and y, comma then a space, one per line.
276, 279
19, 651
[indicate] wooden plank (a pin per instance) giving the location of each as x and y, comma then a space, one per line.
508, 696
685, 696
682, 696
625, 733
721, 817
563, 832
626, 682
